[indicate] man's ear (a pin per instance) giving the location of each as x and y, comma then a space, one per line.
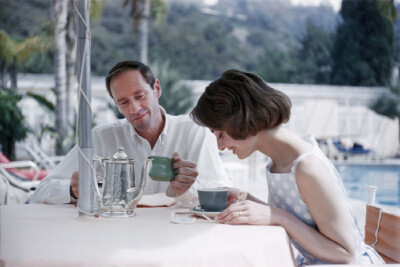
157, 88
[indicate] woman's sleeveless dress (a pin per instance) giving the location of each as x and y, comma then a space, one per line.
284, 193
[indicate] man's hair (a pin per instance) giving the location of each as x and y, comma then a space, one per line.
130, 65
241, 104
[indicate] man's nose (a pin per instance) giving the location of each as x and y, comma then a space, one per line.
134, 107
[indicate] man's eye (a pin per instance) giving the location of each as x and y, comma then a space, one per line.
122, 103
140, 96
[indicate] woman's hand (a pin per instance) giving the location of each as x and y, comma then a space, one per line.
235, 194
246, 212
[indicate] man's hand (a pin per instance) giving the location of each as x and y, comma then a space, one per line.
74, 187
185, 177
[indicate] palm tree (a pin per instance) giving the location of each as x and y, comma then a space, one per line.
59, 16
12, 52
71, 43
141, 12
65, 49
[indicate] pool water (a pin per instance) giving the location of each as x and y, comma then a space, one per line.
357, 178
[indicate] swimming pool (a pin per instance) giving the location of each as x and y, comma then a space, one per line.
357, 178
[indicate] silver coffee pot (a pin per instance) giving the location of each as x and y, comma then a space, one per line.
120, 194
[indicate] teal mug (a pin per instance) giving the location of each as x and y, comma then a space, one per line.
161, 169
213, 199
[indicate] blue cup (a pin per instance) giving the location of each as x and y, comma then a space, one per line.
213, 199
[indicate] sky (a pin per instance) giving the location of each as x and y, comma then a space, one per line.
335, 3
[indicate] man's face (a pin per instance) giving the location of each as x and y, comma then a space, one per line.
136, 100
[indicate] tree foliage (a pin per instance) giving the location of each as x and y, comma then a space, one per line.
176, 98
363, 49
12, 126
388, 9
199, 44
387, 105
12, 52
313, 59
275, 66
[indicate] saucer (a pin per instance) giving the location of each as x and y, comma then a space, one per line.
199, 212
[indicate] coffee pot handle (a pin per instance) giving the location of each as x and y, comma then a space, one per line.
96, 186
98, 158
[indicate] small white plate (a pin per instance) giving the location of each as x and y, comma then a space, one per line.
199, 212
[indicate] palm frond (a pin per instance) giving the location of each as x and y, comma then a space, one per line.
32, 44
96, 9
11, 49
6, 46
176, 98
42, 101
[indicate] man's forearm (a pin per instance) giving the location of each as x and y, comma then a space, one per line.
52, 191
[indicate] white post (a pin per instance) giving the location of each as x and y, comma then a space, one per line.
86, 182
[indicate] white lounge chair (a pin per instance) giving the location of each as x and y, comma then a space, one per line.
40, 157
15, 189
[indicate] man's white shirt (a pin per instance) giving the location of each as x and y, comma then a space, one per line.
180, 134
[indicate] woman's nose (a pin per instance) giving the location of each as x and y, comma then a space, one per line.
221, 145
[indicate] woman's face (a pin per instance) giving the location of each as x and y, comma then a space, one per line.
242, 148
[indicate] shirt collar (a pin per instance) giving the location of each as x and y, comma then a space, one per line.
164, 133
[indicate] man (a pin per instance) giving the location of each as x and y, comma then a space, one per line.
146, 130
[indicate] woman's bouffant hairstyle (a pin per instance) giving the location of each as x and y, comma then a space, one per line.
241, 104
130, 65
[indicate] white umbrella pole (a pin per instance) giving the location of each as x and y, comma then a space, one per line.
84, 134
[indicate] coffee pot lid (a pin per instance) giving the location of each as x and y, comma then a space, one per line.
120, 154
120, 157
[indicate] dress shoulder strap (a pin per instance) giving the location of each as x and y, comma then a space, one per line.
312, 152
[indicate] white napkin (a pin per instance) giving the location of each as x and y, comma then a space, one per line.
156, 200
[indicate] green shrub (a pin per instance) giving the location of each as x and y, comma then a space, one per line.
12, 127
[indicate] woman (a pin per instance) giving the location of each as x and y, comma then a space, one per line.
306, 195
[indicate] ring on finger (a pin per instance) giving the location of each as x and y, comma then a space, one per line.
240, 213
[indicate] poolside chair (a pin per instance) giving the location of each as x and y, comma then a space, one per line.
39, 156
382, 231
15, 189
28, 170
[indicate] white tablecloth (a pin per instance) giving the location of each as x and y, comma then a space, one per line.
54, 235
